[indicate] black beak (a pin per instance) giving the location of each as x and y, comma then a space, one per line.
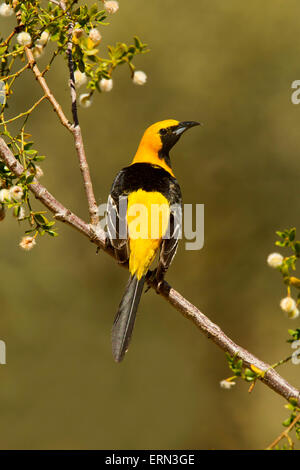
184, 126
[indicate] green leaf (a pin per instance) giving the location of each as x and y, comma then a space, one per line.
29, 179
292, 234
52, 233
91, 51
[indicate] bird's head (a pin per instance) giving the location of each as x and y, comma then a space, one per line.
159, 138
163, 135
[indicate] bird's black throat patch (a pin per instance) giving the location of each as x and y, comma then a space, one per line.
168, 139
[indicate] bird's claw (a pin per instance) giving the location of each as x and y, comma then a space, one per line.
153, 281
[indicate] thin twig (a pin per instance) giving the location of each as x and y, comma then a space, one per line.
56, 106
285, 434
271, 378
25, 112
83, 164
16, 74
8, 39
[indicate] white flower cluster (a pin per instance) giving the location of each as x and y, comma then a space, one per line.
6, 10
15, 193
95, 36
80, 78
27, 243
227, 384
24, 39
38, 49
106, 84
275, 260
139, 77
289, 306
111, 6
85, 100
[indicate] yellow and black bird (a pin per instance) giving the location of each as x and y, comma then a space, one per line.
147, 182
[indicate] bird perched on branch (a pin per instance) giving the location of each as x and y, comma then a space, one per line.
142, 220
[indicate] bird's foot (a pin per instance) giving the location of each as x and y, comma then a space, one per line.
154, 281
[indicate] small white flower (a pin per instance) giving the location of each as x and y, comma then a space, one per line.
5, 195
106, 84
80, 78
226, 384
27, 243
6, 10
24, 39
111, 6
275, 260
294, 314
38, 171
288, 304
85, 100
21, 215
95, 36
43, 39
37, 51
16, 193
139, 77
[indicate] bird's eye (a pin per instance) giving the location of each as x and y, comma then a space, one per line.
163, 131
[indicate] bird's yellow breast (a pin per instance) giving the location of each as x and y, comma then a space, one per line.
148, 216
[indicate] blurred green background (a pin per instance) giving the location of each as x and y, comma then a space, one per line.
230, 65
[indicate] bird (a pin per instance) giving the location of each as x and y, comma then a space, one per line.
148, 182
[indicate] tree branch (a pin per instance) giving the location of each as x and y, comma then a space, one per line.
270, 377
285, 434
76, 130
38, 75
73, 128
59, 211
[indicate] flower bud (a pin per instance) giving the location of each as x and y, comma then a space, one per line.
95, 36
6, 10
85, 100
106, 84
16, 193
43, 39
139, 77
275, 260
27, 243
111, 6
80, 78
226, 384
294, 314
37, 51
288, 304
24, 39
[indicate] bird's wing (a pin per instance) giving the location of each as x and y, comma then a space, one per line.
169, 244
117, 226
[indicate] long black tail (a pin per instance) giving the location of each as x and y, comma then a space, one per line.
125, 318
